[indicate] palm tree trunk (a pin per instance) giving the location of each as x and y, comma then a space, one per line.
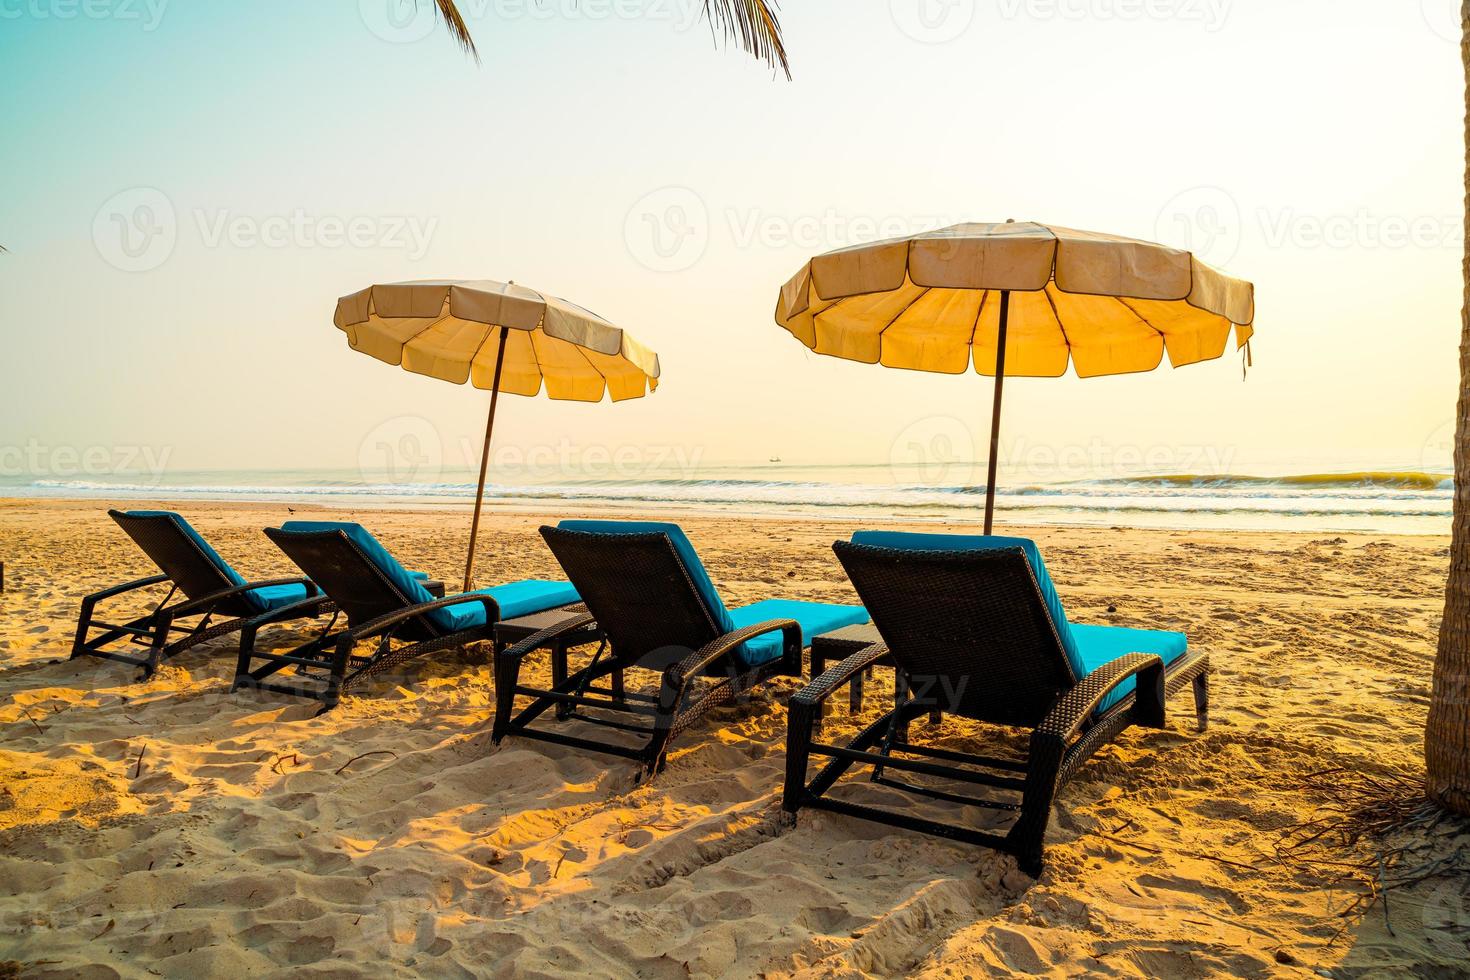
1447, 737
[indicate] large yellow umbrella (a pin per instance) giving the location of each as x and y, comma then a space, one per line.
501, 337
1019, 299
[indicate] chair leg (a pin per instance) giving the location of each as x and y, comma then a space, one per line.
1202, 701
558, 678
818, 667
161, 628
901, 695
1027, 837
84, 626
670, 701
507, 676
801, 725
332, 696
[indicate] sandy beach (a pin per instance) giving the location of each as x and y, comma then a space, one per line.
170, 828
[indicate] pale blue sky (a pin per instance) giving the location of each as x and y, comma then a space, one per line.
1267, 122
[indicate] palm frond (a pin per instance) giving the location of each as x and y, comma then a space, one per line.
458, 29
753, 24
750, 23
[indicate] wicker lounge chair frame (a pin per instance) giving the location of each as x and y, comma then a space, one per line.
376, 610
976, 639
638, 590
205, 594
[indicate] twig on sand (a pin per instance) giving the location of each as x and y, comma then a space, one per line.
138, 766
1191, 854
295, 761
1383, 891
364, 756
33, 720
1376, 832
105, 929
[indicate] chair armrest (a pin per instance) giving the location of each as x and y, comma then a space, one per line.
236, 590
1074, 707
575, 621
375, 626
96, 597
709, 653
290, 611
832, 678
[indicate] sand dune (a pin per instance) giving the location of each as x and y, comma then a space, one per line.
171, 828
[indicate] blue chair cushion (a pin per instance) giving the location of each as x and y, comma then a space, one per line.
815, 618
980, 542
1101, 644
188, 529
520, 598
514, 598
275, 596
685, 550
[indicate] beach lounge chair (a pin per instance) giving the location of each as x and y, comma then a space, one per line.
643, 584
977, 626
214, 600
383, 603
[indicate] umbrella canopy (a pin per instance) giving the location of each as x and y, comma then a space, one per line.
1016, 298
450, 330
501, 337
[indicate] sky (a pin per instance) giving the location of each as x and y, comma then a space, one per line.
188, 188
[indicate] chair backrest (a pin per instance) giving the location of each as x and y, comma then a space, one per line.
918, 541
351, 567
178, 550
643, 582
971, 628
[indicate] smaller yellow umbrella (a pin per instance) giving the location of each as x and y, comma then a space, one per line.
501, 337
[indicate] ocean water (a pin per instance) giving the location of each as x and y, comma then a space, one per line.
1388, 500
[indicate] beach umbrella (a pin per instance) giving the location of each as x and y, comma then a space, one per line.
501, 337
1015, 299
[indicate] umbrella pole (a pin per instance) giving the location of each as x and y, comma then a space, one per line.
1000, 380
469, 565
